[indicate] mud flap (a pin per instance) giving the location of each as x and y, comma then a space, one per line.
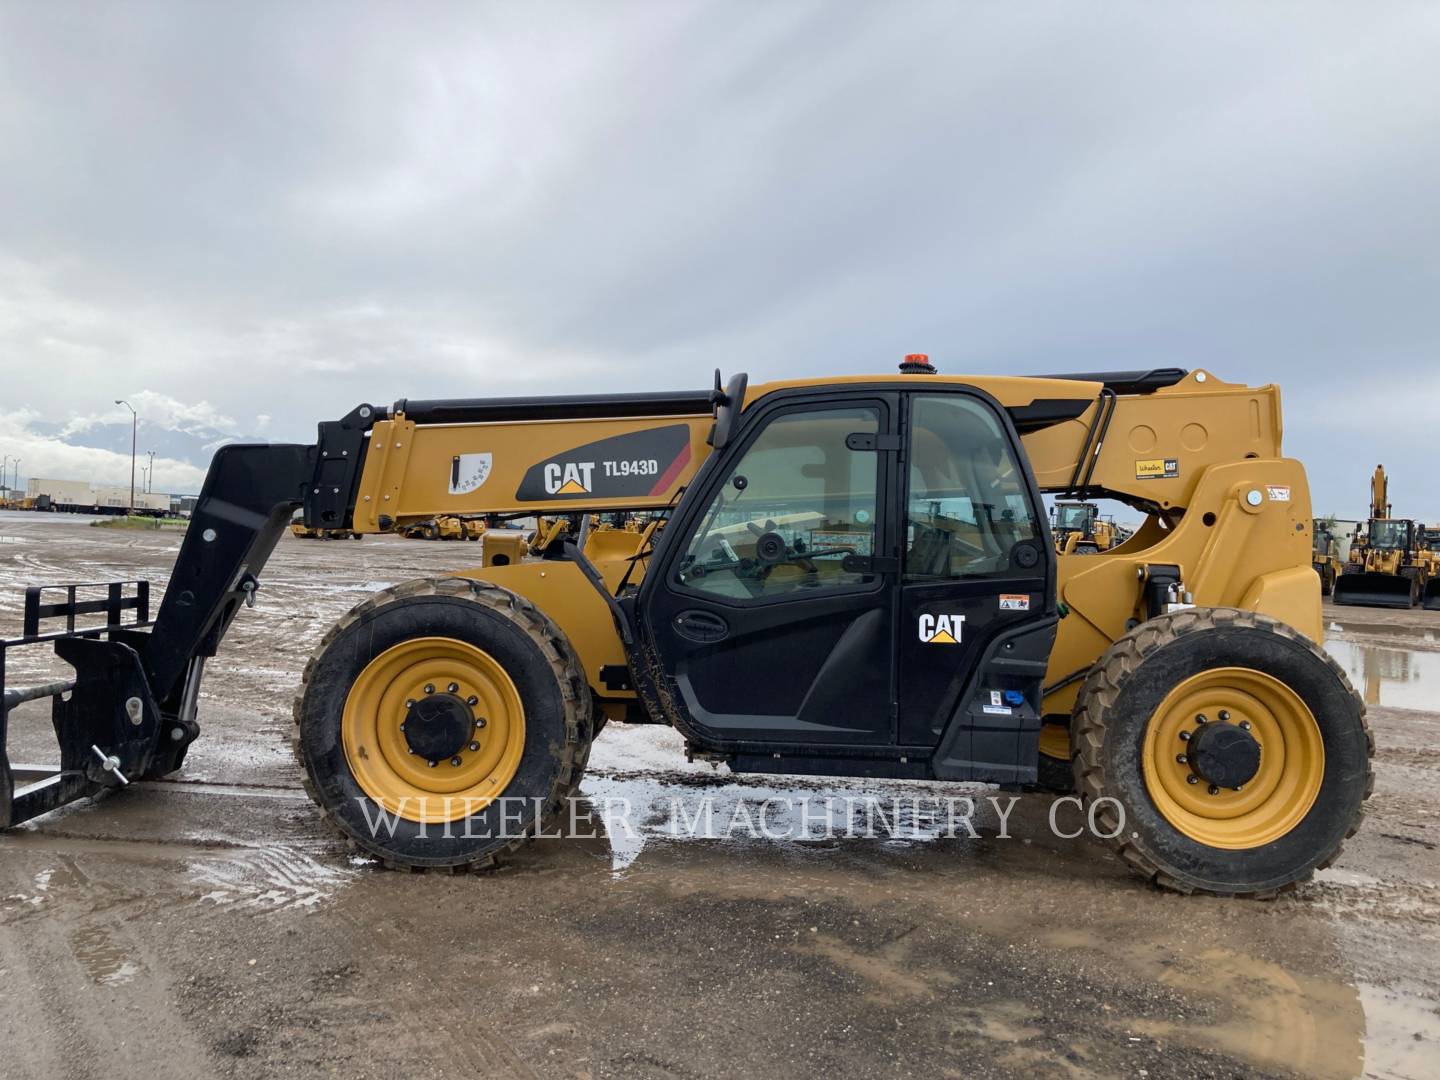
1375, 590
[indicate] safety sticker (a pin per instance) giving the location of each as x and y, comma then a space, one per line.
1157, 469
1278, 494
996, 710
468, 472
941, 629
1013, 602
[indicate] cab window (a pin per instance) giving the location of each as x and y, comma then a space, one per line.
967, 504
791, 508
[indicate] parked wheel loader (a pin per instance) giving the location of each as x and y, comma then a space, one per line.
1429, 554
1079, 529
302, 531
444, 527
1385, 568
1325, 557
843, 577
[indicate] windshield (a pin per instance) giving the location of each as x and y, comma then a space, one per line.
1072, 516
1390, 535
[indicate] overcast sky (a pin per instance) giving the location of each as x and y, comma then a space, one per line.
254, 216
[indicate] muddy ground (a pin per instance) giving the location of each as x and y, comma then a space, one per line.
212, 926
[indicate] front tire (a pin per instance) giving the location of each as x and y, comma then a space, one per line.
1268, 699
439, 721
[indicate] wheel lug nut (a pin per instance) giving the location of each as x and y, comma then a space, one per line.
480, 721
1184, 736
472, 700
1192, 779
1224, 715
474, 746
1180, 759
402, 725
1239, 787
455, 760
409, 703
429, 688
1200, 718
1214, 790
453, 687
1245, 725
432, 764
409, 751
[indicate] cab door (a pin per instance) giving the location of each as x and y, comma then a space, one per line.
976, 608
770, 604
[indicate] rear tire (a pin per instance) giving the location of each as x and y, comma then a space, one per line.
497, 648
1267, 833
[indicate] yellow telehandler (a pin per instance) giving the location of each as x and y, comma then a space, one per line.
847, 576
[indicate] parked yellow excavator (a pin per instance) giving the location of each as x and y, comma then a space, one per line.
1386, 567
846, 576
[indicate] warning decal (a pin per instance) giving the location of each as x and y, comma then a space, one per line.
1013, 602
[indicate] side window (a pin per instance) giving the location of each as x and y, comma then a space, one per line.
967, 505
795, 504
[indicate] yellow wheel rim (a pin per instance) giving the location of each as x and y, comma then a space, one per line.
1275, 799
380, 757
1055, 741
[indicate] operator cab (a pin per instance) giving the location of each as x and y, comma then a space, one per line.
1392, 534
862, 579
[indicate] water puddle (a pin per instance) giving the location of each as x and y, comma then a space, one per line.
631, 812
1398, 678
1402, 1033
103, 960
1381, 629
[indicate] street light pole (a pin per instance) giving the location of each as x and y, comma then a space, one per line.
150, 472
134, 425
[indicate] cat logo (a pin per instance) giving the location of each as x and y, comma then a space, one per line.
568, 478
941, 629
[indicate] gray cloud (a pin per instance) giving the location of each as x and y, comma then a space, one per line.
284, 209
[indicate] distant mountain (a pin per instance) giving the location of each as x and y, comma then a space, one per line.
195, 446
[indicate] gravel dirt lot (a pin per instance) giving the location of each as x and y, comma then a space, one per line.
210, 925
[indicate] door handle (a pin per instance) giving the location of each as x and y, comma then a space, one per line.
700, 626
